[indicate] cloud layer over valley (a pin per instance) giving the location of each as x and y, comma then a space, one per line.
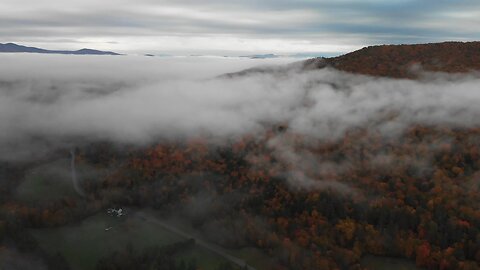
52, 100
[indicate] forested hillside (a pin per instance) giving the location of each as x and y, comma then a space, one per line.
406, 61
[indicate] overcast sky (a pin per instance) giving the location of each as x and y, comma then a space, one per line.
230, 27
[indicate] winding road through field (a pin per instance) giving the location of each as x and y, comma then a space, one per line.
209, 246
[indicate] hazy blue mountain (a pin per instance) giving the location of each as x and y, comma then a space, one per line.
15, 48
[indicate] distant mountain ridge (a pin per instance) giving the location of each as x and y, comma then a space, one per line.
402, 61
15, 48
261, 56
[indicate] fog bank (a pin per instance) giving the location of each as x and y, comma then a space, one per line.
52, 100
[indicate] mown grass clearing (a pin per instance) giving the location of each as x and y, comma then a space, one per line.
84, 244
47, 182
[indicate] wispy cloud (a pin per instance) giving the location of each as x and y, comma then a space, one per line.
237, 25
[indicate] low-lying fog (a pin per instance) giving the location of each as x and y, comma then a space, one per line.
51, 100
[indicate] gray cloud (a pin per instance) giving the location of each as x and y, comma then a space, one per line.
299, 25
133, 99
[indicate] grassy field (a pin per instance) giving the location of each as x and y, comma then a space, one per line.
48, 182
253, 256
83, 244
205, 259
387, 263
